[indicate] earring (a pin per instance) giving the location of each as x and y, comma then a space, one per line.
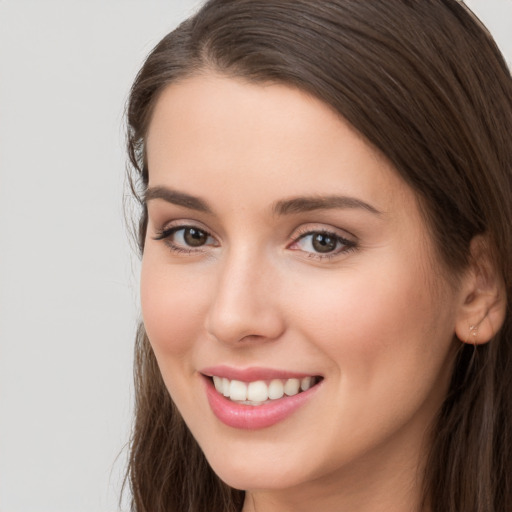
473, 333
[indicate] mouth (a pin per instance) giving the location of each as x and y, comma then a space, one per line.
261, 392
256, 398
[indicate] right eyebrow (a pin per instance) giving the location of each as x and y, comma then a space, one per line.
308, 204
177, 198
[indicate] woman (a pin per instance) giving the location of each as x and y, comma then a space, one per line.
326, 260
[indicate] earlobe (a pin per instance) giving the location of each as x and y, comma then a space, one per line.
483, 305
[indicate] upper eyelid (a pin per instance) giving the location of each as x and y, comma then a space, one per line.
182, 223
168, 230
307, 229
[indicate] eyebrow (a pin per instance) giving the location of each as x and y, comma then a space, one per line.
307, 204
283, 207
177, 198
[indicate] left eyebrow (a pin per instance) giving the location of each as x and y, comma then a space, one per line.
307, 204
177, 198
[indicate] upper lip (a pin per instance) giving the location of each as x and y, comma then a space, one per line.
253, 373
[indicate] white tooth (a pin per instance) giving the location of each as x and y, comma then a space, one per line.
225, 387
275, 389
217, 381
257, 391
238, 390
291, 387
305, 383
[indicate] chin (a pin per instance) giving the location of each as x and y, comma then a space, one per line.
257, 478
252, 469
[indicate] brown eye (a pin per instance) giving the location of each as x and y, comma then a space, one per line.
194, 237
323, 242
186, 239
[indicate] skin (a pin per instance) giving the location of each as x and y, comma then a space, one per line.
376, 318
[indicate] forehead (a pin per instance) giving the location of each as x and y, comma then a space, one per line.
210, 129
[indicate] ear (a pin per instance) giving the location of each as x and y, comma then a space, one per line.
483, 301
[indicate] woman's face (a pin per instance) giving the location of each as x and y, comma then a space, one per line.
283, 250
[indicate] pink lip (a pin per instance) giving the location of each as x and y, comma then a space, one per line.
252, 417
251, 374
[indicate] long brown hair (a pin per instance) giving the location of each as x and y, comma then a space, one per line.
422, 81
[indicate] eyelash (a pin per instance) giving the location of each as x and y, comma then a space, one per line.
347, 245
167, 233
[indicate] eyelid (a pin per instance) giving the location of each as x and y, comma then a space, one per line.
307, 229
348, 240
171, 228
160, 228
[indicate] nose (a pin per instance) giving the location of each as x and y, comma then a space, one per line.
244, 305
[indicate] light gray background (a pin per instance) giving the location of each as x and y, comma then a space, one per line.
68, 281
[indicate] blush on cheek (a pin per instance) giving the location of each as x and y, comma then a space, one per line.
361, 325
171, 318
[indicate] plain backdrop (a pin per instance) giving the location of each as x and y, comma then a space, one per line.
68, 276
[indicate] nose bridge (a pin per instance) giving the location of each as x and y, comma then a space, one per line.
241, 307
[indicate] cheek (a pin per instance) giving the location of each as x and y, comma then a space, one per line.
388, 346
375, 326
172, 308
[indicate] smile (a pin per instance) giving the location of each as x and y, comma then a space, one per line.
260, 392
257, 398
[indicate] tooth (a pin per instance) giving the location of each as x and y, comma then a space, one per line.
225, 387
217, 381
291, 387
238, 390
275, 389
257, 391
305, 383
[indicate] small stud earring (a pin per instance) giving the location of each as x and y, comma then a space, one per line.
473, 332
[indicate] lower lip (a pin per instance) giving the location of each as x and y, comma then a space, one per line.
252, 417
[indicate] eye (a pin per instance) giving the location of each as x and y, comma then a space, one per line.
186, 238
322, 244
192, 237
